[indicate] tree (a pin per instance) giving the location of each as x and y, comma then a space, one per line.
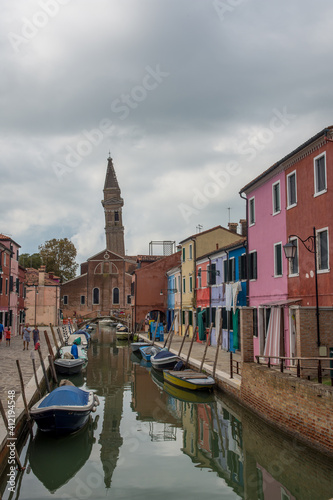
59, 257
34, 260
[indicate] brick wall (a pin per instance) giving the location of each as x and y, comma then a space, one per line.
295, 405
246, 332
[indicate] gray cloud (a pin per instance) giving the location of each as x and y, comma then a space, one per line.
77, 81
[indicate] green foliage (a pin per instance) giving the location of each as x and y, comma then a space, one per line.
34, 260
59, 257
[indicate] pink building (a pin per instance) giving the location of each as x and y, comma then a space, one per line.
267, 267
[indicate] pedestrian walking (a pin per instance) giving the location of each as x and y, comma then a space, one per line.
35, 335
8, 335
1, 331
26, 336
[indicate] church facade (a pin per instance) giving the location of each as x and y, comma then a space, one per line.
104, 285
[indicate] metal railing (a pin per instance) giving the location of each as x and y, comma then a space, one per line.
297, 365
235, 366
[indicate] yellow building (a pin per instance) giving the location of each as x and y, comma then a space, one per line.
192, 248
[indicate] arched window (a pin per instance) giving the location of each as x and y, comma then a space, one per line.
96, 296
115, 299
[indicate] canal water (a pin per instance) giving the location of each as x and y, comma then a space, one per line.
149, 441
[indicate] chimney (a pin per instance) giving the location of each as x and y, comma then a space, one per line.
232, 226
243, 225
41, 276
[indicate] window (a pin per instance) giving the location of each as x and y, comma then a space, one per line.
276, 198
179, 288
116, 216
184, 285
115, 296
199, 278
6, 286
183, 317
242, 267
322, 250
11, 283
291, 190
320, 174
0, 288
293, 264
95, 296
278, 259
232, 269
213, 318
190, 318
252, 265
82, 300
128, 299
211, 274
191, 284
252, 218
190, 251
183, 254
65, 298
17, 286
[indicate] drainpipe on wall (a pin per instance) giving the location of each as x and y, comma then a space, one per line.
247, 252
194, 285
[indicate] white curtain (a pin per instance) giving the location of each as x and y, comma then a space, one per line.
273, 339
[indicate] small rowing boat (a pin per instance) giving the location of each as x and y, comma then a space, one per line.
189, 379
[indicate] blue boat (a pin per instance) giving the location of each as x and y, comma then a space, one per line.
64, 410
148, 351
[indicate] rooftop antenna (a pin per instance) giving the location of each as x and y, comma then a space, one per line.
199, 227
229, 209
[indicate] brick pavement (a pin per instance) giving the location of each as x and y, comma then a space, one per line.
9, 379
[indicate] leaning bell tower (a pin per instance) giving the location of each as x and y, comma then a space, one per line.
112, 204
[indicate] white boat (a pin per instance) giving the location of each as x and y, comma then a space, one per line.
67, 366
82, 351
164, 360
135, 346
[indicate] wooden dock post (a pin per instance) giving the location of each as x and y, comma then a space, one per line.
62, 342
44, 371
54, 336
48, 343
190, 349
181, 345
170, 330
53, 371
206, 346
217, 347
35, 375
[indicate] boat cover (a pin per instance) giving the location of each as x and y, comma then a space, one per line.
164, 354
66, 395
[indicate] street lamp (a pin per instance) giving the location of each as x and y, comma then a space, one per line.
310, 243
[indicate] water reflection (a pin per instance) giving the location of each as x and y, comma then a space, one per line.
55, 460
144, 426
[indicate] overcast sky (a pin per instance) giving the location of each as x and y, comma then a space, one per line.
193, 99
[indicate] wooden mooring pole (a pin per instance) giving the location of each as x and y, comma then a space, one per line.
206, 346
217, 347
181, 345
44, 370
23, 396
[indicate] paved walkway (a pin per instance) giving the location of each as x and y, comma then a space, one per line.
197, 353
9, 379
